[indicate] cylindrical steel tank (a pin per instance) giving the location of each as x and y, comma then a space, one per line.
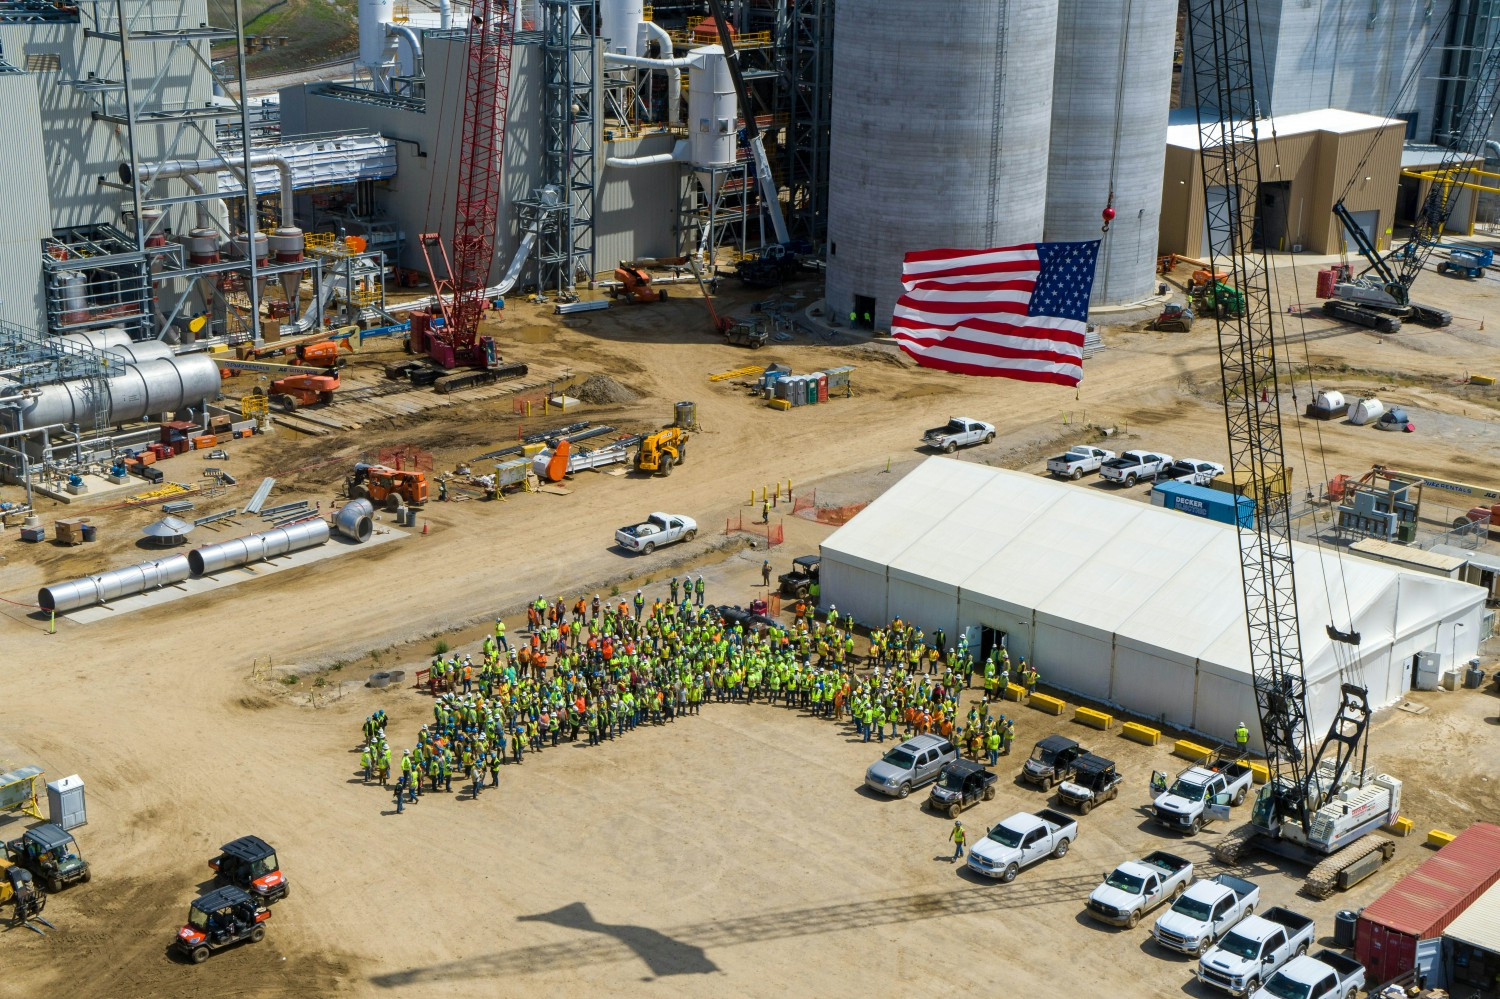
1111, 90
91, 590
163, 385
71, 289
287, 244
262, 247
713, 109
203, 246
354, 520
254, 547
374, 15
939, 137
620, 22
105, 339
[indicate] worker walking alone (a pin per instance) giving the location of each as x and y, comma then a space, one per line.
765, 511
698, 590
959, 838
765, 573
1242, 738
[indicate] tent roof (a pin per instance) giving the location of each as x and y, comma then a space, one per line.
1145, 574
167, 527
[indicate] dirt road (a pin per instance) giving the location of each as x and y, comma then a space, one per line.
731, 853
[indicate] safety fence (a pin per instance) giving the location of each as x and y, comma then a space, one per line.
773, 533
408, 457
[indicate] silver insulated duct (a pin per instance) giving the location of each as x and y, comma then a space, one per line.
159, 383
115, 583
254, 547
354, 520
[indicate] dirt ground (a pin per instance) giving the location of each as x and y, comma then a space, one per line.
733, 853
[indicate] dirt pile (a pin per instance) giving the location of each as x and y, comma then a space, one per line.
602, 390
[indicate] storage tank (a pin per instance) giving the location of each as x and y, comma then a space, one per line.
374, 15
161, 385
1111, 89
713, 114
620, 22
938, 137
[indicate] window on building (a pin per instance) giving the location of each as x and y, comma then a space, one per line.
43, 62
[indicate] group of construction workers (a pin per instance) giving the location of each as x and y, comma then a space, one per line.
599, 669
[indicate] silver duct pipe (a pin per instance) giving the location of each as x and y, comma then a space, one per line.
413, 41
105, 339
158, 385
254, 547
183, 169
354, 522
107, 586
445, 14
674, 68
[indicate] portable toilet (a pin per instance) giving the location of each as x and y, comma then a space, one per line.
812, 388
794, 391
65, 805
822, 386
1366, 411
782, 385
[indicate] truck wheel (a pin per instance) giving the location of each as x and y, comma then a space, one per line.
690, 535
1134, 920
1249, 911
393, 502
953, 811
989, 793
1177, 892
1076, 474
1239, 798
904, 789
666, 464
359, 492
54, 885
989, 438
648, 548
1197, 826
1061, 850
1302, 948
200, 954
258, 934
949, 447
1085, 807
1129, 481
1252, 986
1201, 949
87, 876
1010, 873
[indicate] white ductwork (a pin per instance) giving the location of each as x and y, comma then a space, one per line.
189, 170
413, 39
672, 66
679, 154
445, 14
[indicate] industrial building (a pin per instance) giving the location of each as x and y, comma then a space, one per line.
1127, 604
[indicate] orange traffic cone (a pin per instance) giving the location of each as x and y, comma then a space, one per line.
424, 528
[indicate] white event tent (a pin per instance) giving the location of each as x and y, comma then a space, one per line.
1124, 603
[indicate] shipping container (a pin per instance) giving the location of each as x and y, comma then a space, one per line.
1200, 501
1422, 904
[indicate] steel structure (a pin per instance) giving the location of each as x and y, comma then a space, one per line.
481, 159
570, 97
806, 48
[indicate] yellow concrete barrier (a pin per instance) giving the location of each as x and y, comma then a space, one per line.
1096, 719
1401, 827
1190, 750
1014, 692
1042, 702
1260, 771
1144, 734
1436, 837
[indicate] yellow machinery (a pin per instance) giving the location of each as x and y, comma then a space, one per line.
661, 450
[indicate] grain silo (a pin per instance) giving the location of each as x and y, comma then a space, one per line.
1110, 96
938, 137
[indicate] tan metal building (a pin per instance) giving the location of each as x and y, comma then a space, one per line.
1307, 160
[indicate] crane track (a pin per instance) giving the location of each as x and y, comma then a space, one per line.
1234, 845
1323, 880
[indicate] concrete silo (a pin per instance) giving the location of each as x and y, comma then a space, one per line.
938, 137
1110, 96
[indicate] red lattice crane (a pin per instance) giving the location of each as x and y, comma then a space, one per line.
460, 296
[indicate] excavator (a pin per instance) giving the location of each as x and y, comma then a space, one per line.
635, 283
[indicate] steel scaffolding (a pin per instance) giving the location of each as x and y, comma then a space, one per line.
570, 97
807, 65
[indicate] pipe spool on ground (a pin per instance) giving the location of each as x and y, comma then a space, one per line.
105, 586
254, 547
354, 520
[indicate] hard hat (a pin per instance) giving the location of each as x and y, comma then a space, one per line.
1242, 725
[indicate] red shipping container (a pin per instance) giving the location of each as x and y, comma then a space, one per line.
1327, 278
1422, 904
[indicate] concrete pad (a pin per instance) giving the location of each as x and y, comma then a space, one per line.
97, 485
335, 546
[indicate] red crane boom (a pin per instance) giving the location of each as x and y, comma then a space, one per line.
481, 158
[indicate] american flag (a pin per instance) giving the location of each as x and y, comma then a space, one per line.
1012, 312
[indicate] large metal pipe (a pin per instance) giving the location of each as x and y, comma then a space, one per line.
105, 339
159, 385
111, 585
183, 169
413, 42
354, 521
254, 547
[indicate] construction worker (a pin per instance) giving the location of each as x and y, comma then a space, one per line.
940, 640
765, 573
765, 511
640, 604
1242, 738
400, 800
1158, 782
468, 674
992, 745
442, 490
698, 590
1008, 732
1030, 677
500, 634
364, 763
674, 589
959, 838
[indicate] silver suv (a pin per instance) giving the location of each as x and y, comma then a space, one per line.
913, 763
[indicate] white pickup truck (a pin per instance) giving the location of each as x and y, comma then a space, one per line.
1252, 952
1021, 841
1325, 975
1193, 471
1133, 466
959, 431
1138, 886
655, 531
1186, 804
1079, 460
1204, 913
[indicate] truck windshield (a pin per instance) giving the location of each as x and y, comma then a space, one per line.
1191, 907
1044, 756
899, 758
1283, 987
1240, 945
952, 781
263, 866
198, 920
1005, 837
1188, 789
1125, 882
